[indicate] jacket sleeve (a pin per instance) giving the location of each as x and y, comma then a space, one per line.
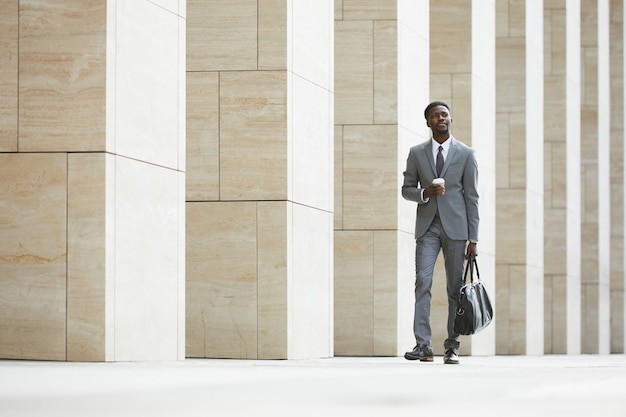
470, 189
411, 187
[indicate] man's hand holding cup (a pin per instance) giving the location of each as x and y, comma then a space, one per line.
437, 188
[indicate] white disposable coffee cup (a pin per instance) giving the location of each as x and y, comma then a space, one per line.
439, 181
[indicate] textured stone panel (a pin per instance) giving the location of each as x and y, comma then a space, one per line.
253, 136
354, 72
203, 171
451, 22
62, 76
222, 35
8, 75
511, 73
511, 209
338, 182
33, 210
87, 258
386, 294
369, 10
221, 280
275, 272
273, 34
386, 72
354, 293
370, 173
519, 165
338, 9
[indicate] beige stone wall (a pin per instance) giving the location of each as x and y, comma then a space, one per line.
222, 179
380, 79
259, 180
92, 260
562, 162
595, 193
519, 177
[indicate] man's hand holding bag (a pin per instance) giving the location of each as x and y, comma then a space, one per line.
473, 310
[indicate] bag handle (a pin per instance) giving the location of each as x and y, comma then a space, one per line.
470, 265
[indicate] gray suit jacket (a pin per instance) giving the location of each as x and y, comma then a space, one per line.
458, 207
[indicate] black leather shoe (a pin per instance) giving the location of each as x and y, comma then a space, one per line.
423, 353
451, 357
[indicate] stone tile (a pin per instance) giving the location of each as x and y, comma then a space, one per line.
556, 41
519, 163
618, 296
90, 277
503, 153
338, 9
511, 73
502, 312
370, 173
33, 210
555, 235
338, 178
222, 280
386, 289
9, 21
368, 10
454, 24
502, 19
353, 293
222, 36
273, 32
517, 18
463, 93
203, 172
354, 73
275, 274
559, 169
590, 318
511, 231
520, 311
62, 76
385, 72
253, 136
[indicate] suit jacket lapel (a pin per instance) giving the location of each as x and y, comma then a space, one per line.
429, 156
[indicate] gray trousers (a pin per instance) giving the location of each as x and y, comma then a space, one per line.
426, 251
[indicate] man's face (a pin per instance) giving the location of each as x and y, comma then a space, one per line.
439, 120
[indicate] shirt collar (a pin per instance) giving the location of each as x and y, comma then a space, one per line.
445, 145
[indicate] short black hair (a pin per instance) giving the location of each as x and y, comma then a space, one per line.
434, 104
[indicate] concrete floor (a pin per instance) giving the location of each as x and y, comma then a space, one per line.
529, 386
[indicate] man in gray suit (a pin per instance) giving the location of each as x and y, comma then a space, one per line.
447, 219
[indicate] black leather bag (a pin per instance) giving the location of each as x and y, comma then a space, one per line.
473, 310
